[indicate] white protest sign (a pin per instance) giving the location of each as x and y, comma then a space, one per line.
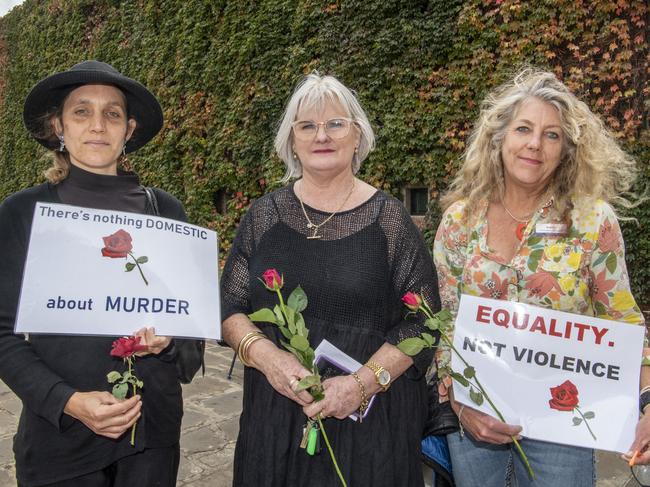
96, 272
563, 377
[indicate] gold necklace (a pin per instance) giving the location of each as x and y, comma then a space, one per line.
311, 224
522, 224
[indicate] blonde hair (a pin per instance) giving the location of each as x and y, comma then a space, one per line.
314, 91
592, 163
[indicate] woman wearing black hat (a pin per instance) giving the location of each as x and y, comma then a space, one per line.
71, 430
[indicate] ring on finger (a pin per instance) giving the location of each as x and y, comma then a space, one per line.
292, 383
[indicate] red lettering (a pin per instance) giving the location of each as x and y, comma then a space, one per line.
483, 314
567, 330
552, 330
501, 318
581, 330
599, 333
515, 321
539, 325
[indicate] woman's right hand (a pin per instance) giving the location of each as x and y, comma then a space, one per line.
484, 427
102, 413
282, 370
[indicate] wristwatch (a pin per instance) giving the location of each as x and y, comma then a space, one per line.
381, 375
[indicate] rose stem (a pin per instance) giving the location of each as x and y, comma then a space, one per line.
139, 268
135, 390
586, 423
329, 448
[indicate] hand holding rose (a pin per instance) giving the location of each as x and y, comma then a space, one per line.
104, 414
153, 344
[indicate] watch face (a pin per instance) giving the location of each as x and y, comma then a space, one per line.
384, 378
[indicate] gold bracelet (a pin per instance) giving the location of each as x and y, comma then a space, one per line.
364, 399
245, 343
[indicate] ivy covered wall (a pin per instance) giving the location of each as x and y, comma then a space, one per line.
223, 71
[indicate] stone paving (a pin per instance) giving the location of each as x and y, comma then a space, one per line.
210, 424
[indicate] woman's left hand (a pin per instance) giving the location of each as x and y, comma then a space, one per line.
155, 344
641, 442
342, 398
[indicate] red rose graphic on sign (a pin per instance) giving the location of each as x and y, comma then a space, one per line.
565, 398
119, 246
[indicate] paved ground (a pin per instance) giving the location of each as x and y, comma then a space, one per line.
212, 406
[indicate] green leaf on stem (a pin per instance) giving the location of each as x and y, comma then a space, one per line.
307, 382
264, 314
286, 333
139, 384
142, 260
576, 421
444, 315
113, 376
476, 396
469, 372
411, 346
291, 319
297, 300
278, 315
460, 379
120, 390
129, 267
432, 323
589, 415
428, 338
299, 343
309, 358
301, 328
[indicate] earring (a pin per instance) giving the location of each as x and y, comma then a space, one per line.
61, 144
124, 150
295, 157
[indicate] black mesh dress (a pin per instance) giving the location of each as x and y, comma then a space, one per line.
354, 278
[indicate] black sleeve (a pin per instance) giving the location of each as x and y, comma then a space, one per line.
186, 353
235, 295
412, 269
37, 386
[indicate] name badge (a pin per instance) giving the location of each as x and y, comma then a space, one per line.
551, 229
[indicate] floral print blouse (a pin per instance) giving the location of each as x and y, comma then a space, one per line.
581, 272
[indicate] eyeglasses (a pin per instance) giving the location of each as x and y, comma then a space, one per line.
335, 128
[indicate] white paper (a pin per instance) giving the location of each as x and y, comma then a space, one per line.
327, 351
70, 287
519, 381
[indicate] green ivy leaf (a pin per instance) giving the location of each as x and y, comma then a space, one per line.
264, 315
113, 376
411, 346
576, 421
297, 300
142, 260
129, 267
299, 343
120, 390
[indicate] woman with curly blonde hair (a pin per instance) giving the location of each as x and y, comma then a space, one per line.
528, 219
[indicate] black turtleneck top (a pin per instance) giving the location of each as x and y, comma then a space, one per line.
45, 370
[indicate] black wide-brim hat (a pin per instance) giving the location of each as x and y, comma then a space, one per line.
49, 93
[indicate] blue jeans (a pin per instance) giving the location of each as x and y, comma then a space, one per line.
476, 463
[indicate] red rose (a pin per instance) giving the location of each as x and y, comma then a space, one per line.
126, 346
564, 397
272, 279
117, 245
412, 301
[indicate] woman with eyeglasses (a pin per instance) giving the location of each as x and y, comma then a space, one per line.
355, 252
